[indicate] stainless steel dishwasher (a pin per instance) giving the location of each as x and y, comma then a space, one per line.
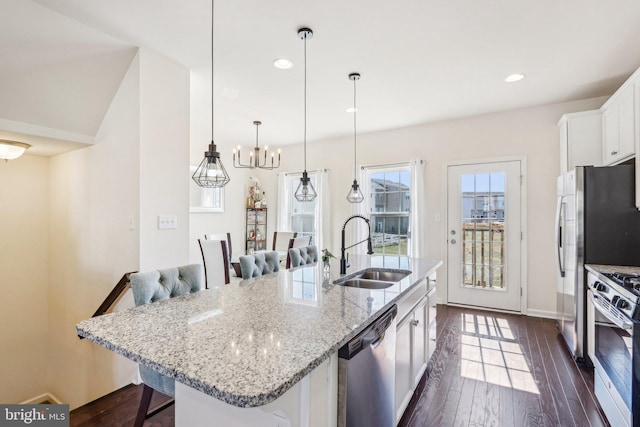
366, 375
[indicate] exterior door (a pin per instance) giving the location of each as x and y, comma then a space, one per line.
484, 235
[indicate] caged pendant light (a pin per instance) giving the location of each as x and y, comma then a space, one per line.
254, 158
354, 195
305, 191
211, 172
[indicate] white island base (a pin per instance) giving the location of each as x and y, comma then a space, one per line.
309, 403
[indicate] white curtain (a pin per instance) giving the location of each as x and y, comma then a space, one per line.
322, 214
417, 210
284, 198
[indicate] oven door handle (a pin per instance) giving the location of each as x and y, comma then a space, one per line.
607, 309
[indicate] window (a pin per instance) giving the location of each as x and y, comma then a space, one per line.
204, 199
302, 215
389, 193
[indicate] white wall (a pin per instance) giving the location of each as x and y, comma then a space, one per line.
24, 237
528, 132
137, 169
164, 161
93, 192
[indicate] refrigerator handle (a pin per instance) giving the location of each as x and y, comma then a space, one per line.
559, 208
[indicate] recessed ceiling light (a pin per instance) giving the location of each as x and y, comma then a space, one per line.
351, 110
511, 78
282, 63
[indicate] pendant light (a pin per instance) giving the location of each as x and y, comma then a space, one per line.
10, 150
254, 160
211, 172
305, 191
354, 195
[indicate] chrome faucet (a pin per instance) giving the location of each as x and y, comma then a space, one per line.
343, 260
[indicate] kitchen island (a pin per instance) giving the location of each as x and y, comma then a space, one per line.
258, 343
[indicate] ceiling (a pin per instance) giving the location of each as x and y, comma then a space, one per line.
421, 60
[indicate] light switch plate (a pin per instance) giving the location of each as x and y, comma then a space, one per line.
167, 222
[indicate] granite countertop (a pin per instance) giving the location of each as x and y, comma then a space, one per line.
597, 268
247, 343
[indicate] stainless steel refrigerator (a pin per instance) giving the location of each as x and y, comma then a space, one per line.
596, 223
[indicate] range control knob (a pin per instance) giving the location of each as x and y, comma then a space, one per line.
601, 287
622, 304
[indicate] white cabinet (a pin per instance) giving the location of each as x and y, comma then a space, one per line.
618, 126
420, 339
415, 343
404, 377
580, 140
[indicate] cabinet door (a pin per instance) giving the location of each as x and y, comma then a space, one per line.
431, 330
404, 378
419, 325
564, 147
618, 121
626, 124
610, 135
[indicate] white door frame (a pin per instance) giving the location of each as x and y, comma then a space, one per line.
523, 221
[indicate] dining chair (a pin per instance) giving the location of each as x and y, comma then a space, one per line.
302, 256
281, 242
147, 288
259, 264
216, 262
222, 236
297, 242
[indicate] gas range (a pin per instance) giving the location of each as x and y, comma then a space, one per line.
621, 290
613, 325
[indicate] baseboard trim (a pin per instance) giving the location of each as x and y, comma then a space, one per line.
542, 313
529, 312
46, 397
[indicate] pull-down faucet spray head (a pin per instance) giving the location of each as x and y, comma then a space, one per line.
343, 260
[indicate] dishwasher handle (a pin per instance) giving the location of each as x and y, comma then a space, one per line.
372, 335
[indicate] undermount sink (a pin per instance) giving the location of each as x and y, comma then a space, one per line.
374, 278
391, 276
365, 283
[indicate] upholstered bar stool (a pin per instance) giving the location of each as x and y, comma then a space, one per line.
302, 256
259, 263
155, 286
298, 242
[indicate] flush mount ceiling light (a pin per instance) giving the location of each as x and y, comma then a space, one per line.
354, 195
512, 78
305, 191
10, 150
254, 160
211, 172
282, 63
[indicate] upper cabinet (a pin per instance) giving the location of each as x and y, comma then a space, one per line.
618, 132
580, 140
618, 126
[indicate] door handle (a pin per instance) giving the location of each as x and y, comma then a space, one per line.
559, 209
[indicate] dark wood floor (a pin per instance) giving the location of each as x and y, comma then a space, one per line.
489, 369
494, 369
